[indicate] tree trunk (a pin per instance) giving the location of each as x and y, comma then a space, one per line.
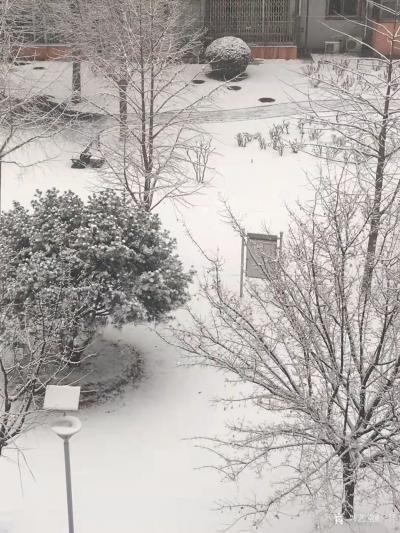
123, 108
1, 180
3, 435
76, 63
76, 351
147, 195
72, 353
75, 358
378, 186
349, 487
76, 82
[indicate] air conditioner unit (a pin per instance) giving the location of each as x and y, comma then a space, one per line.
332, 47
353, 46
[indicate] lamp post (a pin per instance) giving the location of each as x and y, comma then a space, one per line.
65, 398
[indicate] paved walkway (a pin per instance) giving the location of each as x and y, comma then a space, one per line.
259, 112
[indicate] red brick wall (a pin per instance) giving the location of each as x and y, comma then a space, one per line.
381, 37
274, 52
43, 52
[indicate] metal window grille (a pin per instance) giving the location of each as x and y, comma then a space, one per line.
255, 21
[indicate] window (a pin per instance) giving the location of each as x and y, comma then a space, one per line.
346, 8
389, 4
387, 9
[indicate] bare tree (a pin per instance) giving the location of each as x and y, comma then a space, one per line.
27, 114
139, 46
317, 341
31, 355
66, 21
361, 116
319, 353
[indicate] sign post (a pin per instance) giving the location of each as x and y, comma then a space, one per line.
242, 265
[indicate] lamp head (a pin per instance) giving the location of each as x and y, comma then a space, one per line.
66, 426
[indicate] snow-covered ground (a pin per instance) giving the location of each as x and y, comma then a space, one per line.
277, 79
133, 467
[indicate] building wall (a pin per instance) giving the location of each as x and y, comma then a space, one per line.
318, 32
381, 38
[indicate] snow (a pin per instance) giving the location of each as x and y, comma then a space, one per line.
228, 53
133, 467
232, 47
275, 78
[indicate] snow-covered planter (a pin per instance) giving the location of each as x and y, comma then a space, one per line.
229, 56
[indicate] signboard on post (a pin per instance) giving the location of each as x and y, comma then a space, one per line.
258, 252
261, 250
62, 398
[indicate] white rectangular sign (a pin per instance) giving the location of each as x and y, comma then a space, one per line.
62, 397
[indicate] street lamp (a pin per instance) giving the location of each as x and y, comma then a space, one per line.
65, 398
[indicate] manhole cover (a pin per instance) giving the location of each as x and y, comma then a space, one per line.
266, 100
38, 68
198, 82
234, 87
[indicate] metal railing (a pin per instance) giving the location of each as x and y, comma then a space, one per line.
255, 21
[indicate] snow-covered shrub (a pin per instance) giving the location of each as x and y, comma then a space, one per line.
229, 56
296, 146
241, 140
99, 261
244, 138
276, 136
262, 143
